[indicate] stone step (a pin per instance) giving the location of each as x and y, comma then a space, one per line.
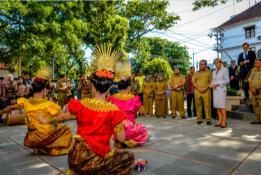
239, 115
242, 108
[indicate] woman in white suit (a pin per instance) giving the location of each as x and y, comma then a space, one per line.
219, 86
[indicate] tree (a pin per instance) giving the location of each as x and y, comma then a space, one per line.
160, 65
58, 32
106, 26
207, 3
36, 32
144, 17
150, 48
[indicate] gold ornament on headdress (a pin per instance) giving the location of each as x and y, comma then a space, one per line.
104, 58
44, 73
122, 70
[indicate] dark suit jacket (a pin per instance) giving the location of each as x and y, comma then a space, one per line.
244, 69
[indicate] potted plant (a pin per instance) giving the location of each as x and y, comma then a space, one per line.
233, 98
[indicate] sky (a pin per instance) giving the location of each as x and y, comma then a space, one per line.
193, 28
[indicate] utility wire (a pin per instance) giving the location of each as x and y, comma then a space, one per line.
203, 16
189, 40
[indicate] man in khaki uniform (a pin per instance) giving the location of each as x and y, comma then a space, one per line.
177, 82
85, 87
62, 90
201, 82
255, 88
148, 95
135, 86
161, 106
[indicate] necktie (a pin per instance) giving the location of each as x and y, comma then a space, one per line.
245, 55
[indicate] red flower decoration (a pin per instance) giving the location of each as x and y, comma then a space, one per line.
39, 80
104, 73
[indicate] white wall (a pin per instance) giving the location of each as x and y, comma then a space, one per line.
234, 37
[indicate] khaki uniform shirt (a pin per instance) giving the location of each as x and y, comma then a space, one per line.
255, 78
160, 90
202, 78
148, 89
134, 86
177, 80
85, 87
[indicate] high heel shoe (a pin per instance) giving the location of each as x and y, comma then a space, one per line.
221, 126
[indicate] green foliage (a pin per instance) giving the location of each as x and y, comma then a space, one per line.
149, 48
232, 92
58, 32
160, 65
146, 16
198, 4
42, 31
106, 25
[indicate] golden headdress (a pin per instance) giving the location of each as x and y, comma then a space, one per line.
104, 58
122, 71
44, 73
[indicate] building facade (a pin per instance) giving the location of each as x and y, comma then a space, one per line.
244, 27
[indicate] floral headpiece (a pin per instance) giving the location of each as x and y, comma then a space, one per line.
39, 80
104, 61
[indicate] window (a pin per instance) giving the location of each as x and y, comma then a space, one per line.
250, 32
253, 49
259, 53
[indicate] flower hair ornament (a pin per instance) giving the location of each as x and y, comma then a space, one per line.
104, 73
104, 61
39, 80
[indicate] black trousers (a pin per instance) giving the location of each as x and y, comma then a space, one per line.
190, 99
246, 88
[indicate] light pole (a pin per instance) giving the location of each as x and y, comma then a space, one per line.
217, 32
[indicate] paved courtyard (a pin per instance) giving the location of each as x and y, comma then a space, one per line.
176, 147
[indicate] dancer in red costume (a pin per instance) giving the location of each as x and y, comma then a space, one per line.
97, 120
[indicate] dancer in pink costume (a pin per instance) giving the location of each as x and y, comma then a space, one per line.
136, 133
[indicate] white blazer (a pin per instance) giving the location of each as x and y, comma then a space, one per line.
222, 78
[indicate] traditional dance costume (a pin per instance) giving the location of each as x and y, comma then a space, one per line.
136, 133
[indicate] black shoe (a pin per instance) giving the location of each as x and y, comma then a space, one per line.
173, 116
209, 123
183, 117
164, 116
217, 125
255, 122
199, 122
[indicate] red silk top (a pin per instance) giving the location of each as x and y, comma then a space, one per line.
96, 121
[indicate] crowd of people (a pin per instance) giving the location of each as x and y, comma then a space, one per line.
108, 102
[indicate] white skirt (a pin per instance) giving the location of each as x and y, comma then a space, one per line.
219, 99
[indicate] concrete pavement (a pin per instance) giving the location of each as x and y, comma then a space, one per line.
176, 146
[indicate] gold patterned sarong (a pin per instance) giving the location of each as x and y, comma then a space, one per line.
56, 142
82, 160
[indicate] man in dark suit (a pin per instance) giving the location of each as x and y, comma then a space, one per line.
233, 75
246, 62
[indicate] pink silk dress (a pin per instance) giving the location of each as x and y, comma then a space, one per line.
136, 133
